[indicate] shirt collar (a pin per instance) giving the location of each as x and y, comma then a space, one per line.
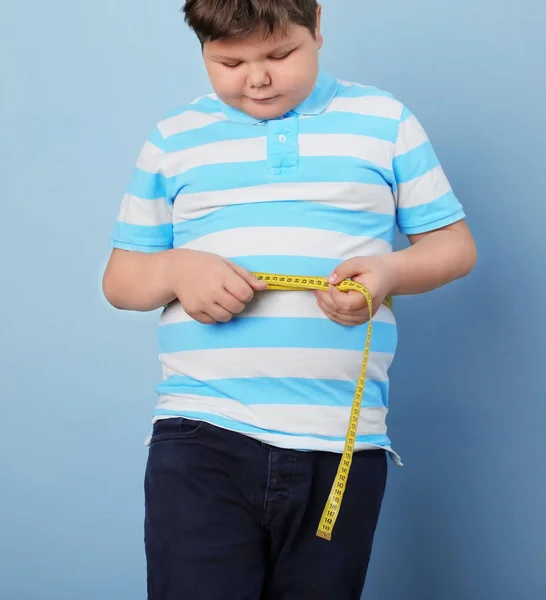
317, 102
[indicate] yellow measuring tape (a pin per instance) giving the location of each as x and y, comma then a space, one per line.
292, 283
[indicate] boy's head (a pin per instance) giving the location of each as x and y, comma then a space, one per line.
261, 55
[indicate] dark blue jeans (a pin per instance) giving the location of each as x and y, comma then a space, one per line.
228, 518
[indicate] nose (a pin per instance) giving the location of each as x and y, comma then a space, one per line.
258, 77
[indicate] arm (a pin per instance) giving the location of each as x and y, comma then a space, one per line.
210, 288
145, 272
432, 260
142, 237
137, 280
427, 211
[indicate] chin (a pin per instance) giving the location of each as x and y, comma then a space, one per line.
264, 115
267, 111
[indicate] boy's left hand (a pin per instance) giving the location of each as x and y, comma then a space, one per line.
351, 308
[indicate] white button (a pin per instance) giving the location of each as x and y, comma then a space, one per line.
282, 138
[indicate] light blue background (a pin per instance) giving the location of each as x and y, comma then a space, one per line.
82, 83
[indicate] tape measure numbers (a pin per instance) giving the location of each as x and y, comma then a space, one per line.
292, 283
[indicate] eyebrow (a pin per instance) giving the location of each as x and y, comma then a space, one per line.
287, 46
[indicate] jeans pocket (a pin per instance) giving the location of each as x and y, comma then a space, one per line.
175, 428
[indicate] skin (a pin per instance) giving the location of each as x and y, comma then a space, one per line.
432, 260
266, 78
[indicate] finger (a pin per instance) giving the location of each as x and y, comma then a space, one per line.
324, 299
202, 317
231, 303
355, 316
326, 302
332, 315
237, 287
347, 269
252, 280
219, 313
347, 301
347, 321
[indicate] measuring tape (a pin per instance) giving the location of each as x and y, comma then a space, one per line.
292, 283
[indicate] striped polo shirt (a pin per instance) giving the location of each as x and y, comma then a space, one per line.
330, 180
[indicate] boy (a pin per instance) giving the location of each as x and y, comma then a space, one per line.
283, 170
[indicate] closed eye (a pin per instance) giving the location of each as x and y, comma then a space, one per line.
283, 56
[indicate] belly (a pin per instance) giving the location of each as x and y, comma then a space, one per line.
282, 346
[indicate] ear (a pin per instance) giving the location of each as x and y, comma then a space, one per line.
318, 34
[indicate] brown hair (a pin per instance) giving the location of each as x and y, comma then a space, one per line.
218, 19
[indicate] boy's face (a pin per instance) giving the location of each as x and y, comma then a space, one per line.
265, 78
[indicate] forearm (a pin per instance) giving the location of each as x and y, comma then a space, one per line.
433, 260
137, 281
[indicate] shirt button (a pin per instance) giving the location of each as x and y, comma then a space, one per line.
282, 138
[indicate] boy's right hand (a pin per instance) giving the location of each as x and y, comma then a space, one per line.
210, 288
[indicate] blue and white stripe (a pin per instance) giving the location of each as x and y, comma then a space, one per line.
330, 181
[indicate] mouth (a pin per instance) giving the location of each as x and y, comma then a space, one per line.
263, 100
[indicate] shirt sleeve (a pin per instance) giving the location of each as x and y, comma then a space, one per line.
144, 221
423, 194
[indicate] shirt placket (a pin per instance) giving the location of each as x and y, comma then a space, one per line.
282, 146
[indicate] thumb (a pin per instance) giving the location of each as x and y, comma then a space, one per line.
255, 283
347, 269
